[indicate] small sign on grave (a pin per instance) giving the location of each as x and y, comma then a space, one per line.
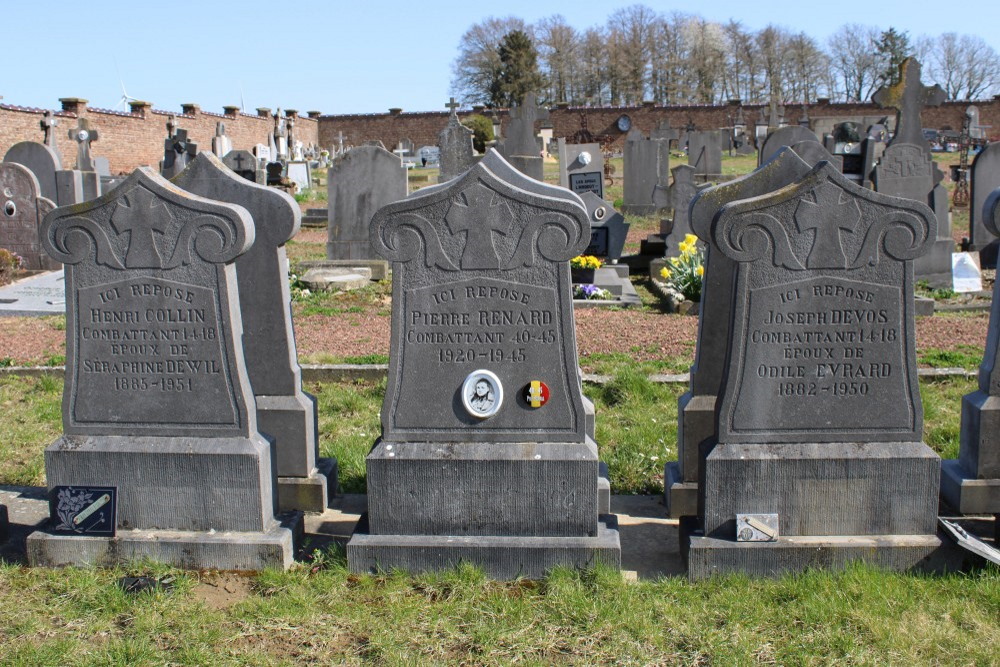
965, 273
590, 181
83, 510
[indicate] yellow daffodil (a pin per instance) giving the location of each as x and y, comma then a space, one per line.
690, 239
700, 270
664, 273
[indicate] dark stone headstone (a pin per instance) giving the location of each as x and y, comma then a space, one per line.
246, 165
40, 160
284, 411
696, 426
985, 178
908, 97
483, 385
608, 229
22, 208
157, 402
785, 136
455, 142
360, 182
646, 171
820, 415
581, 167
705, 154
812, 151
682, 191
520, 144
971, 483
177, 152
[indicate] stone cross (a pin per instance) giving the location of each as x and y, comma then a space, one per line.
83, 136
522, 127
909, 97
171, 126
478, 215
453, 105
48, 124
664, 131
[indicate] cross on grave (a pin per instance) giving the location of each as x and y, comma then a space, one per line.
909, 97
452, 106
827, 217
83, 135
522, 126
171, 126
476, 214
664, 131
140, 219
48, 124
239, 161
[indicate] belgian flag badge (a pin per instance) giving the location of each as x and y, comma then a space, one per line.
537, 394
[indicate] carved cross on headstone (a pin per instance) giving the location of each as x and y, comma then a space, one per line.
453, 105
141, 219
239, 161
478, 215
48, 124
83, 135
909, 97
827, 217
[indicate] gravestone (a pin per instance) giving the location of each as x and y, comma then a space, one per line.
157, 408
820, 416
646, 172
221, 144
682, 191
984, 178
483, 386
298, 172
696, 424
785, 136
705, 155
813, 152
970, 484
907, 170
90, 180
262, 153
284, 411
360, 182
22, 208
664, 132
279, 139
178, 151
520, 144
608, 231
455, 142
581, 167
245, 165
49, 123
44, 163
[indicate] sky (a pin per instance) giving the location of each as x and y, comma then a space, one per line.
341, 57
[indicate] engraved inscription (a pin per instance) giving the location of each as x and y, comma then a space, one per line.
508, 328
151, 345
817, 353
592, 181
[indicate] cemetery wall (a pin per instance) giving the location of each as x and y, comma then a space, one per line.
132, 139
422, 128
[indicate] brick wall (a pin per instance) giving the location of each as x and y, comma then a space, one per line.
132, 139
422, 128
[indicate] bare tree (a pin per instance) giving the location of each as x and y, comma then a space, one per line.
855, 61
965, 66
593, 77
706, 60
632, 30
668, 59
558, 47
741, 63
478, 64
805, 65
772, 43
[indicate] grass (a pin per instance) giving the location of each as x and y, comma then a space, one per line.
963, 356
859, 616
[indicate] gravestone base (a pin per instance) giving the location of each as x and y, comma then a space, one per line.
708, 556
500, 557
194, 502
962, 485
529, 165
514, 509
935, 266
680, 497
227, 551
988, 255
379, 268
309, 494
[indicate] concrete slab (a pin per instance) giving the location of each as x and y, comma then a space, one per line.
41, 294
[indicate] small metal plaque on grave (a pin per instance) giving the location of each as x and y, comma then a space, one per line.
598, 242
756, 527
83, 510
591, 181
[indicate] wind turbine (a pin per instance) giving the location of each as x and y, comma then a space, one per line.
126, 98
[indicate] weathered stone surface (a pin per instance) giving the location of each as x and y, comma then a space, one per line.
178, 150
984, 179
682, 191
455, 142
221, 144
40, 160
646, 171
971, 484
22, 208
705, 154
520, 143
336, 278
360, 182
284, 411
581, 167
157, 402
784, 136
908, 96
483, 384
696, 408
246, 165
608, 229
813, 152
